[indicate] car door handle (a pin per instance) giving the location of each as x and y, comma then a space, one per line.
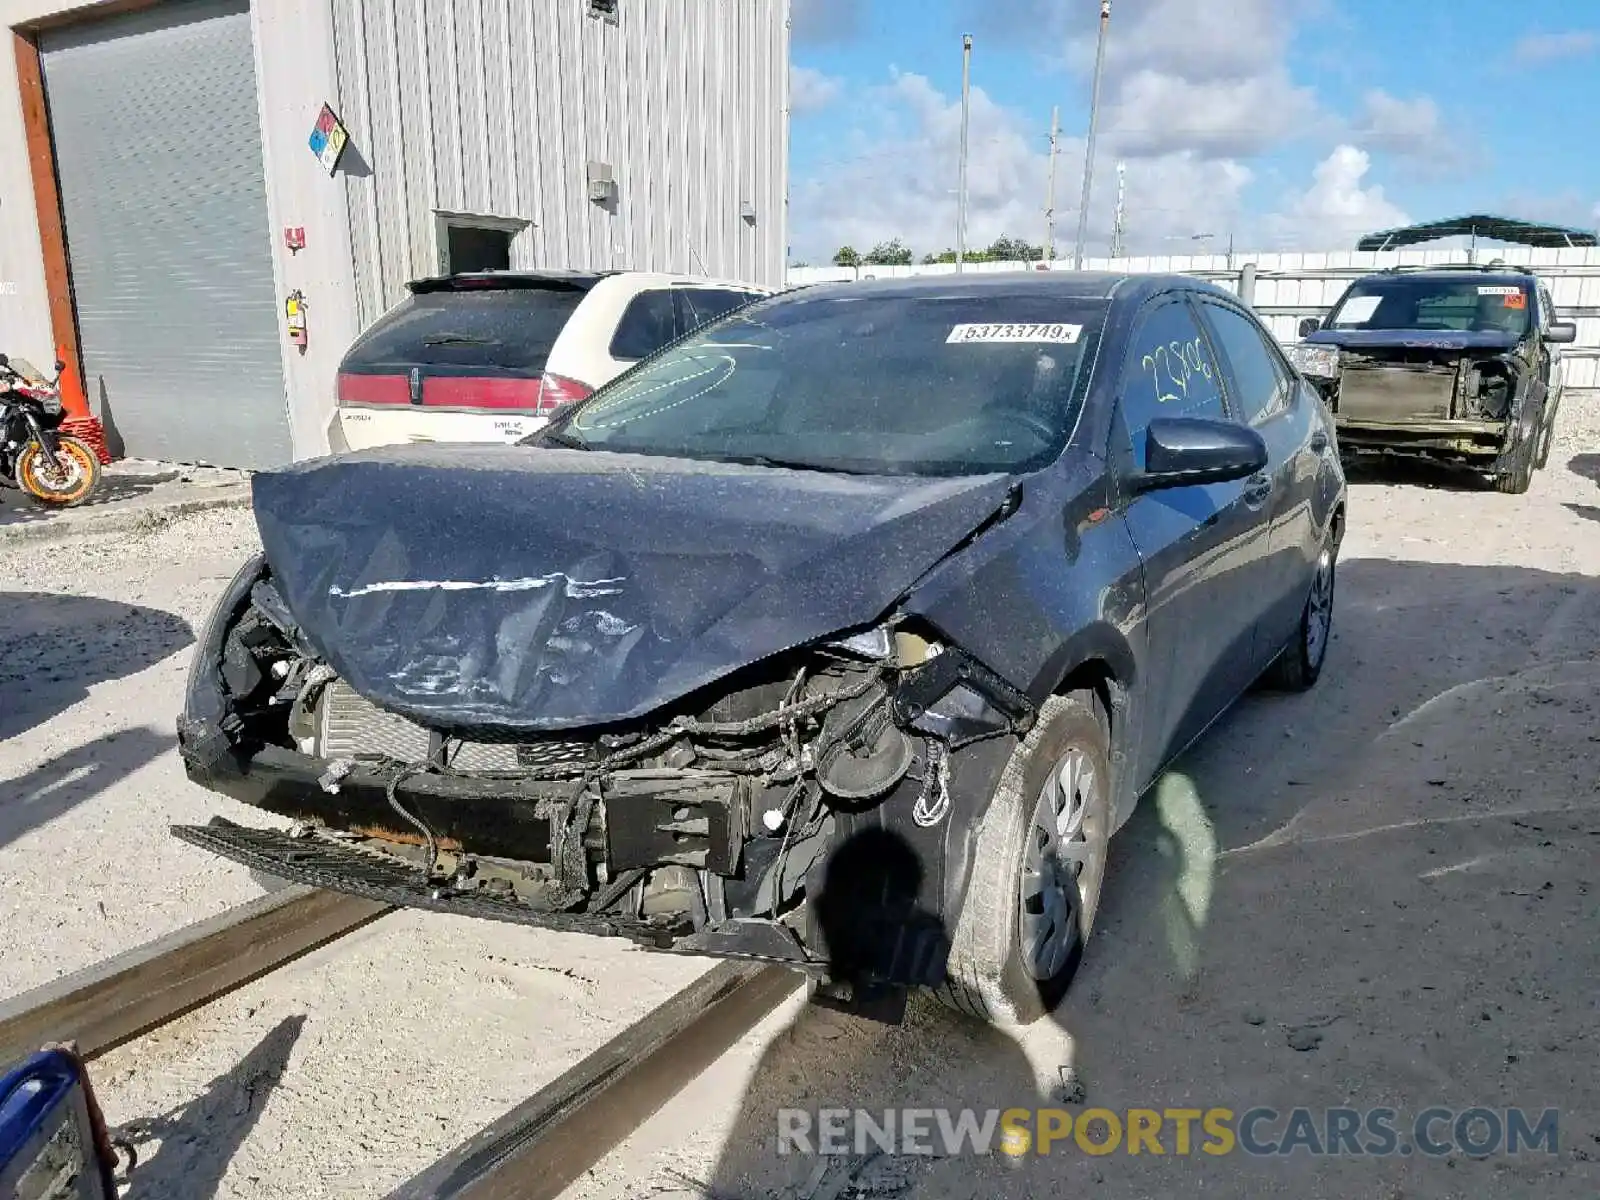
1257, 489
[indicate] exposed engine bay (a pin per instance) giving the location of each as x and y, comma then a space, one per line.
1445, 401
699, 827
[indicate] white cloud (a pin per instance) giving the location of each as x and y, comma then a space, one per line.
811, 90
1336, 209
1413, 131
1198, 76
1547, 47
902, 183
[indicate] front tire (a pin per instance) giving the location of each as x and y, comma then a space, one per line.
69, 480
1037, 870
1516, 481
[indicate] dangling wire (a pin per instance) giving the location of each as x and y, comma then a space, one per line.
401, 773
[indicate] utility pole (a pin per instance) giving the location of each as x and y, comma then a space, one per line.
1118, 223
1088, 149
961, 196
1050, 193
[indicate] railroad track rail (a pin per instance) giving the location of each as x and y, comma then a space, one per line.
533, 1152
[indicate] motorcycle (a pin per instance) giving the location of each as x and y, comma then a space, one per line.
52, 468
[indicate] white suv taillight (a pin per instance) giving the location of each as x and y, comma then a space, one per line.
558, 391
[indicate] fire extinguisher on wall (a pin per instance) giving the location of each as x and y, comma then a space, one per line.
294, 315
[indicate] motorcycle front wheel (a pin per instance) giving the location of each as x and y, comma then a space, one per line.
69, 479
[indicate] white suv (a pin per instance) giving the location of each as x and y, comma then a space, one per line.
489, 356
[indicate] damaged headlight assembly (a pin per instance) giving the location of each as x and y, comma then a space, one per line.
941, 691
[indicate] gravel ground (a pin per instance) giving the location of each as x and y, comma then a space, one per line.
1394, 871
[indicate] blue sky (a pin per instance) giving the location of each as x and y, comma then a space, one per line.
1287, 124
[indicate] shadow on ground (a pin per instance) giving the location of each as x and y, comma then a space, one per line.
1586, 466
17, 509
199, 1140
1400, 471
58, 785
1378, 894
55, 647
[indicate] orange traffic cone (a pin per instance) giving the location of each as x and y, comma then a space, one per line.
80, 422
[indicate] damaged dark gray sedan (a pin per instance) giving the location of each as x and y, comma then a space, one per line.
842, 633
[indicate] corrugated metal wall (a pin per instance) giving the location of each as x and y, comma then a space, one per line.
495, 108
1292, 286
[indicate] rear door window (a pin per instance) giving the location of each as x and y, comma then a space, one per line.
701, 306
648, 323
1260, 380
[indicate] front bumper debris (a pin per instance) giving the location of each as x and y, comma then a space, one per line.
319, 863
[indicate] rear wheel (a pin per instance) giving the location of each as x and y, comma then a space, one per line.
69, 478
1037, 870
1299, 666
1548, 438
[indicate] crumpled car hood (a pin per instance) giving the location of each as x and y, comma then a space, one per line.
525, 588
1427, 339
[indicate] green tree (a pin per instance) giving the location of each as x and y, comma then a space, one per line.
847, 257
1010, 249
890, 254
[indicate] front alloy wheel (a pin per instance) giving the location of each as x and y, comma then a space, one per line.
1037, 867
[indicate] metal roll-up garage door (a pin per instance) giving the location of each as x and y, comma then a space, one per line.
157, 139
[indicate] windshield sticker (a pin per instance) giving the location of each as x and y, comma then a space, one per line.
1358, 309
1515, 300
1499, 290
1060, 335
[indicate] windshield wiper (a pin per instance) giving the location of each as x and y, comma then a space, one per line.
554, 437
785, 464
458, 339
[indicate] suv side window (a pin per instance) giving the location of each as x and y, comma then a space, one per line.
1261, 382
1170, 373
648, 323
701, 306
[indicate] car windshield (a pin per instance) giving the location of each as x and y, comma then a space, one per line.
1462, 305
957, 384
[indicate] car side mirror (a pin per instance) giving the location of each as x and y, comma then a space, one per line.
1183, 451
1561, 333
1309, 325
51, 1132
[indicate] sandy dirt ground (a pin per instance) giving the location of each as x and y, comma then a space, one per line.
1378, 894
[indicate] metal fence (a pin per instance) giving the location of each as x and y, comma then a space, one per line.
1289, 287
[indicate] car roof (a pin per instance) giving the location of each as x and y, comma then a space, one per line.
1498, 274
1073, 285
562, 279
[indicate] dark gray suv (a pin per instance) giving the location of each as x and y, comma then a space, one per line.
1458, 363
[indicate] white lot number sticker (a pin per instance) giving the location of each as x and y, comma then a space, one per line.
1059, 335
1512, 290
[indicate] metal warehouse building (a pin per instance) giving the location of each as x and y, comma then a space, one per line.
163, 195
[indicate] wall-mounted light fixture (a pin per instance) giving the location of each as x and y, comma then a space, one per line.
747, 211
602, 183
605, 10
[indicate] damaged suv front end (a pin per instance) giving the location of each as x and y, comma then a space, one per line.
1450, 363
